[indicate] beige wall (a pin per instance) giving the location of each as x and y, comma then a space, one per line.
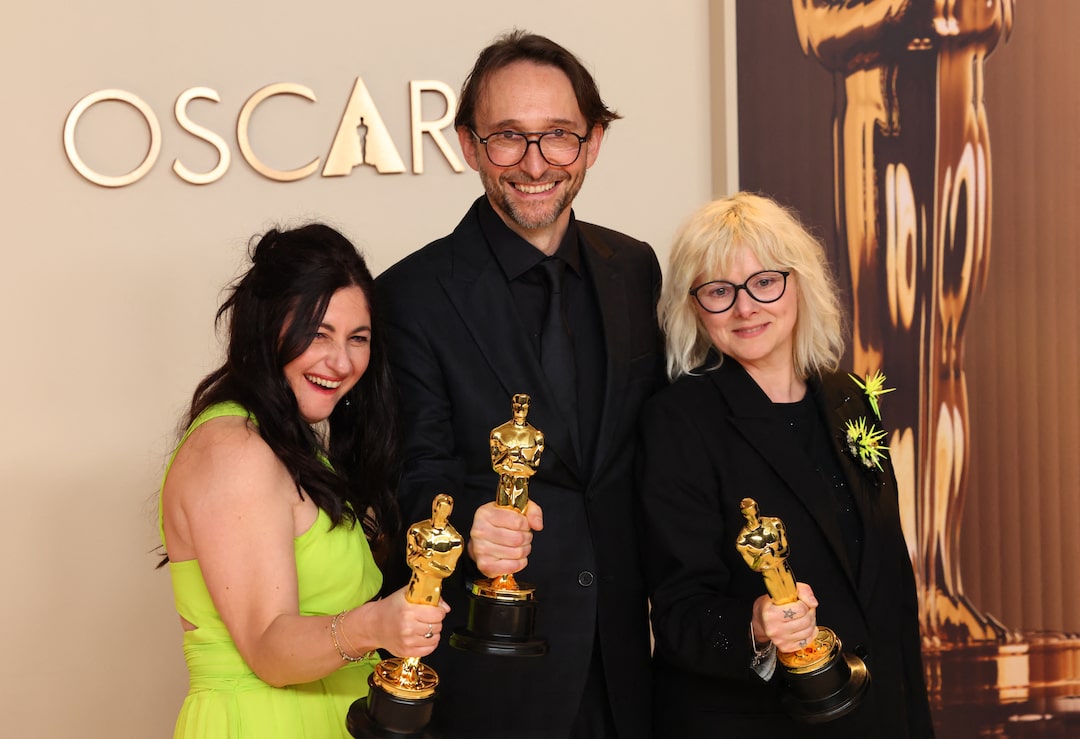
107, 295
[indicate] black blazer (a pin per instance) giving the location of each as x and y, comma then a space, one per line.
459, 352
708, 442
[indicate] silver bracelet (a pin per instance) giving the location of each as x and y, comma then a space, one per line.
760, 655
345, 657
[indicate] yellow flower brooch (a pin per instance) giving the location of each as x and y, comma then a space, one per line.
863, 438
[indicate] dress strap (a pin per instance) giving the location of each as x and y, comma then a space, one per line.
218, 410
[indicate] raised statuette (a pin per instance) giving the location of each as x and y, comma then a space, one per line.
402, 690
821, 681
502, 610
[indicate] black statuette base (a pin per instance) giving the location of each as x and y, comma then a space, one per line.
500, 628
381, 715
828, 693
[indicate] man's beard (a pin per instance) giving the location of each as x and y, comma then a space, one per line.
497, 192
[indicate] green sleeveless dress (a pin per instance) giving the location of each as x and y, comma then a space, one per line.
225, 699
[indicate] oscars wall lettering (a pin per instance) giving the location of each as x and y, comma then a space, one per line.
362, 138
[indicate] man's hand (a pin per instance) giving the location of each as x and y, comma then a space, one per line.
501, 538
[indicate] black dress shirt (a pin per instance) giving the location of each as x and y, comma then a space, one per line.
520, 262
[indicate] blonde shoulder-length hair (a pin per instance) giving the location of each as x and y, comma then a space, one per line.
705, 249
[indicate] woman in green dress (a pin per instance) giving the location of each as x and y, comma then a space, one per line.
276, 497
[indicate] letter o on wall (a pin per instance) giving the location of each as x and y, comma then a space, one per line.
134, 101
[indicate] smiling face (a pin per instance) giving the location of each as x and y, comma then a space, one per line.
759, 336
532, 197
336, 358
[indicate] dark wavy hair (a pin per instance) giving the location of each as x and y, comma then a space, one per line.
519, 46
273, 312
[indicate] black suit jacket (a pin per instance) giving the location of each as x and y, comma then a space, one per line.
459, 352
709, 441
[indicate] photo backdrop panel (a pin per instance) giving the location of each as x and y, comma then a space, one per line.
922, 145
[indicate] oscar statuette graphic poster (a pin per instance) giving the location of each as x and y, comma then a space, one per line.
880, 123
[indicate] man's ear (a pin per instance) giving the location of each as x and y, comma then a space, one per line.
592, 146
469, 147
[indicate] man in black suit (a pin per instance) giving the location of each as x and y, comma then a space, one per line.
470, 320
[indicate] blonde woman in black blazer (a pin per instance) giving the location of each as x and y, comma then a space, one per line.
757, 409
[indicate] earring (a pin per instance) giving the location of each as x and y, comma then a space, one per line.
348, 402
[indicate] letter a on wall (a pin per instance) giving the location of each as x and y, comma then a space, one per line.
353, 147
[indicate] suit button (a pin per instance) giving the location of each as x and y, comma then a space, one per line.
585, 578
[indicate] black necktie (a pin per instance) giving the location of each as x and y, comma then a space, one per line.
556, 349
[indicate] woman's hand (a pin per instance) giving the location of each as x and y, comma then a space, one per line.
791, 626
501, 538
402, 628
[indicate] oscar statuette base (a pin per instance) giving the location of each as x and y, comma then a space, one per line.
827, 691
382, 715
500, 623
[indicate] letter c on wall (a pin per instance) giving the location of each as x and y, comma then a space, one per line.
134, 101
244, 141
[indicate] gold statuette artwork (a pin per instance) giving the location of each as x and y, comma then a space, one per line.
763, 545
914, 192
502, 610
432, 550
516, 447
822, 683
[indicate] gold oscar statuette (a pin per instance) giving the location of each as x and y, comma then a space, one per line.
822, 682
402, 690
502, 610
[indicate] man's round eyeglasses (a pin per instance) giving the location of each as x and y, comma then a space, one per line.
559, 148
718, 296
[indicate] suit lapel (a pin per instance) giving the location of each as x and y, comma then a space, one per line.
754, 420
611, 297
842, 401
477, 289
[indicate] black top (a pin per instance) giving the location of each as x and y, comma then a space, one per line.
810, 434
